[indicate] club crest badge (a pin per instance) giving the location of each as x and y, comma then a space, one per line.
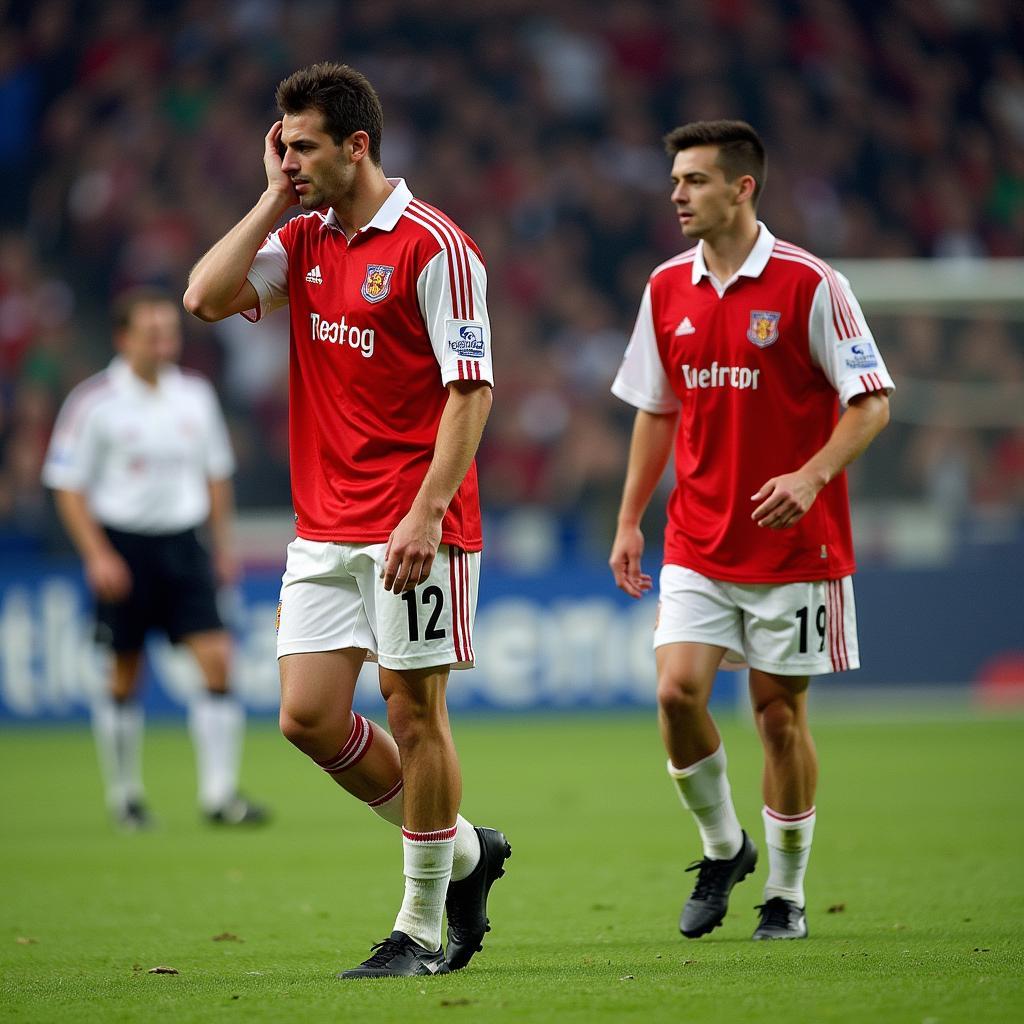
764, 327
377, 283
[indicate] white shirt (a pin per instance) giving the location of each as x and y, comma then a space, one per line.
142, 455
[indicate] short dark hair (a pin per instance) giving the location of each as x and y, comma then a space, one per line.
124, 306
740, 149
342, 95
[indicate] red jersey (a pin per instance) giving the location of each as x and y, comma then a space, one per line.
380, 323
756, 369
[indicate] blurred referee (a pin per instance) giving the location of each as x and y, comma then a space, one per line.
139, 458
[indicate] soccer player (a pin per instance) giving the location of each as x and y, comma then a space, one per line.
743, 349
139, 458
390, 387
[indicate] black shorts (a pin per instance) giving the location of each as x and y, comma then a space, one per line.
172, 590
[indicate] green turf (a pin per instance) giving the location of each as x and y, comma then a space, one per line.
918, 849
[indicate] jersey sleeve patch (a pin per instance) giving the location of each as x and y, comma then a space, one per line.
465, 338
858, 355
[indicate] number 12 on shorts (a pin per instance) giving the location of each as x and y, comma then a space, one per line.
430, 596
819, 623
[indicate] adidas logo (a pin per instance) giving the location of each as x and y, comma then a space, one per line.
685, 327
314, 276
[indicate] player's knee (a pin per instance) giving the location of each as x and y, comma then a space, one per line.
679, 698
778, 724
410, 720
300, 726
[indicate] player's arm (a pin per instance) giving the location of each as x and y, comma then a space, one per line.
783, 500
222, 518
413, 543
106, 571
218, 285
649, 452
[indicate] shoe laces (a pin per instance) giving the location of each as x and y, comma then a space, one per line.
774, 913
711, 875
384, 952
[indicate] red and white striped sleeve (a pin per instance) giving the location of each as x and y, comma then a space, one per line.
452, 293
841, 341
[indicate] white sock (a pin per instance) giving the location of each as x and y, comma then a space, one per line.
391, 807
788, 837
217, 723
705, 793
467, 850
428, 869
117, 727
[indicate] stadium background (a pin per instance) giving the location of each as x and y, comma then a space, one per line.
130, 139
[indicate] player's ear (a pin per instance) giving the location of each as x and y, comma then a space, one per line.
746, 186
360, 145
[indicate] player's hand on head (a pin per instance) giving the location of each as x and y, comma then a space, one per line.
277, 181
410, 552
784, 500
627, 551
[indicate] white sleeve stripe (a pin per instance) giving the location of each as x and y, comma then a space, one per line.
457, 256
460, 249
837, 292
843, 316
458, 263
456, 307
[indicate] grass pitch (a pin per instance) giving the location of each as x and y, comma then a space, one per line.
915, 893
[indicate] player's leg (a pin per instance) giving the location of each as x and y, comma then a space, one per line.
698, 625
418, 717
792, 632
697, 763
323, 636
698, 767
189, 613
317, 717
420, 635
117, 725
789, 785
216, 721
117, 716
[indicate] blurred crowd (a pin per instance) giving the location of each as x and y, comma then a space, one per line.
131, 137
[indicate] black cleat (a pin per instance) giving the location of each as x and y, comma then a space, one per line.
398, 956
134, 817
780, 919
466, 902
238, 811
705, 909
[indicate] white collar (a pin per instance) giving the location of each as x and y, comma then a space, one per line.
387, 216
123, 376
753, 265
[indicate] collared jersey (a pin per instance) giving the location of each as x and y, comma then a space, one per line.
380, 324
756, 369
142, 455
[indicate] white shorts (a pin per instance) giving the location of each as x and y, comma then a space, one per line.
789, 629
332, 598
